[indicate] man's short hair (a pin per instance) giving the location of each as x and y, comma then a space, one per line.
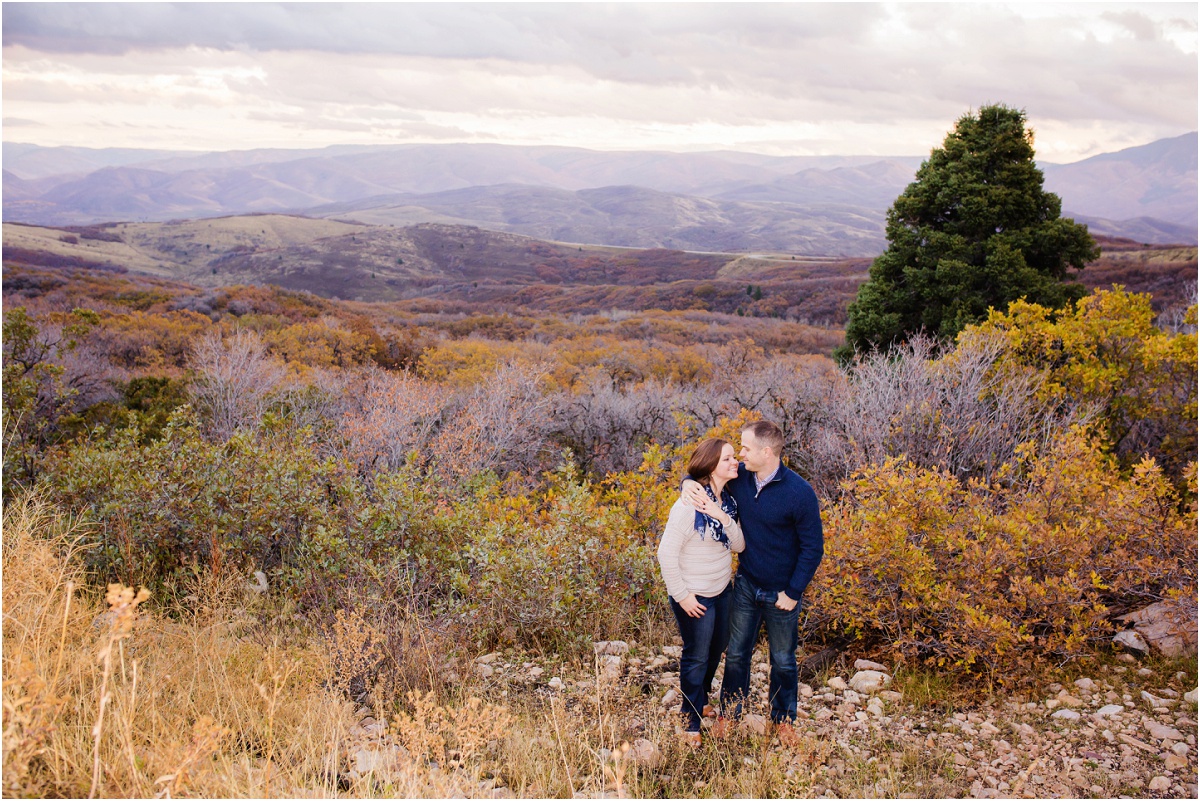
767, 433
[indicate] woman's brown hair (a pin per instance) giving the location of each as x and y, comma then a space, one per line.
705, 458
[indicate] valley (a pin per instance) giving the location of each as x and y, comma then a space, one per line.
461, 269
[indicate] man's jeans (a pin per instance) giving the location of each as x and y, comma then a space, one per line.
751, 608
704, 641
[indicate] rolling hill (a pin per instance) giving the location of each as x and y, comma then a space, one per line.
703, 201
469, 268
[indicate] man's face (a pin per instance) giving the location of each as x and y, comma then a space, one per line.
753, 454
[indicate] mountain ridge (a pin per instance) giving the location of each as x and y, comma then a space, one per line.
716, 200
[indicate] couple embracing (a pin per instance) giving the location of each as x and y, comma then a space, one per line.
769, 515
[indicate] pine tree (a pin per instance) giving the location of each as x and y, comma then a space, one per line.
974, 230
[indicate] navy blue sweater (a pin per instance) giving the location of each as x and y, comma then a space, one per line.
782, 526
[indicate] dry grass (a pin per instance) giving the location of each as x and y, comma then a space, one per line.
166, 706
200, 699
223, 695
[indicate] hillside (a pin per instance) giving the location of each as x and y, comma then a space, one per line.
1156, 181
444, 263
632, 216
702, 201
472, 268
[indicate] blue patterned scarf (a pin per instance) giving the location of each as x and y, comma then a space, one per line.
713, 528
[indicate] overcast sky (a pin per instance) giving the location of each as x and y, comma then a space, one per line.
784, 79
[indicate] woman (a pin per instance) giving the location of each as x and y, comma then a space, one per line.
696, 558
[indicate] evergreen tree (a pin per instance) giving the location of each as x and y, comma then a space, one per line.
974, 230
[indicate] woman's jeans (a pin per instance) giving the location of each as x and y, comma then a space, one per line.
704, 640
751, 608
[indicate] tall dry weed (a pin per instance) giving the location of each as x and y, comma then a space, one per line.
191, 703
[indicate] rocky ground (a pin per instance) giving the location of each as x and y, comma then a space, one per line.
1124, 729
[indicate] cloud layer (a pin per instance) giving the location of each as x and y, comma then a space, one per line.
779, 78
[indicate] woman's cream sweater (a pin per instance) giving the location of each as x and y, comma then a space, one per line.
694, 566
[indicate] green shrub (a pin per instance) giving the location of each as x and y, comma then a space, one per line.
183, 505
555, 569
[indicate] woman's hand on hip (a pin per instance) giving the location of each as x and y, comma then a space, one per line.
693, 607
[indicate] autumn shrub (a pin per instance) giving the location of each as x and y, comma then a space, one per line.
262, 500
323, 343
555, 569
234, 380
150, 341
995, 577
962, 410
37, 389
499, 425
387, 416
608, 427
1106, 350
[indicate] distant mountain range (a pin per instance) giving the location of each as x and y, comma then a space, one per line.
718, 201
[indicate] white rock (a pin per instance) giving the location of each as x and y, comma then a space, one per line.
870, 681
1161, 732
1085, 684
1181, 749
1130, 639
755, 724
260, 583
645, 753
1109, 710
806, 691
674, 651
1174, 762
1145, 673
891, 695
838, 683
487, 659
485, 670
867, 664
555, 683
368, 761
875, 707
1156, 702
534, 672
1190, 697
1160, 783
610, 666
1170, 626
671, 697
852, 697
614, 648
1066, 714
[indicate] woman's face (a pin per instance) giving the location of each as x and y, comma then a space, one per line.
727, 468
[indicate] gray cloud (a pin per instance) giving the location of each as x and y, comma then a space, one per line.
20, 122
913, 67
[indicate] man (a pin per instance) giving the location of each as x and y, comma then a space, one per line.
781, 522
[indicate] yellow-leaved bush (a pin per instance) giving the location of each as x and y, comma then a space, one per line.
1106, 351
987, 578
